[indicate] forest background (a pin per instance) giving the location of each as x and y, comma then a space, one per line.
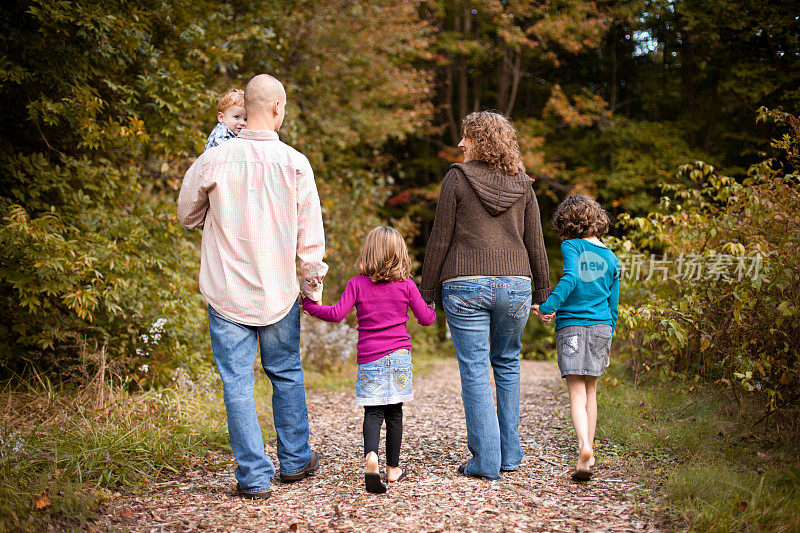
676, 114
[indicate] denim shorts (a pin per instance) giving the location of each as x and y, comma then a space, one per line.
583, 350
386, 380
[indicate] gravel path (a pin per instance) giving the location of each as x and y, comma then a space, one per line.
538, 497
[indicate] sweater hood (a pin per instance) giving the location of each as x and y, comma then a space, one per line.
496, 191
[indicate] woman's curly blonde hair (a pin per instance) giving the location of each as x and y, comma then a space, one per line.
495, 141
384, 256
580, 217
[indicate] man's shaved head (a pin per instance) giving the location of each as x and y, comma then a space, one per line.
261, 92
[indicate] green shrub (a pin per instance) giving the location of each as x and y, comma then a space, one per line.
736, 322
91, 259
109, 102
94, 270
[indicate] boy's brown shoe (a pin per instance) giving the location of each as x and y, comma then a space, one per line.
303, 473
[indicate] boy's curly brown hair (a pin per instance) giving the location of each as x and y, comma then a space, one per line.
580, 217
495, 141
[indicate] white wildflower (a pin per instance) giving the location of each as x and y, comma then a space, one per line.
11, 444
155, 333
182, 380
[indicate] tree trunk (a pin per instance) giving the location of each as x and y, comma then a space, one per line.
463, 75
502, 81
713, 113
689, 73
477, 85
463, 87
613, 82
627, 62
452, 123
516, 75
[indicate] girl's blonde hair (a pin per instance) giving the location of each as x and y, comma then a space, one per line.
495, 141
579, 217
384, 256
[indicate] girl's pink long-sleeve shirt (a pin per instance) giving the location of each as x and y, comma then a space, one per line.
382, 312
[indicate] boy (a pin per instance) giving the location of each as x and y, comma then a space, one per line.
231, 116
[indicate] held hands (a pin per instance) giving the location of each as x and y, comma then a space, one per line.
544, 318
303, 306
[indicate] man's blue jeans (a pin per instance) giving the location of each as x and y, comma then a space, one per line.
235, 348
487, 317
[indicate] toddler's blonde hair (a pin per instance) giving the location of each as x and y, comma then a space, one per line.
230, 98
384, 256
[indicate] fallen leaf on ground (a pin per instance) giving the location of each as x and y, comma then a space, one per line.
42, 500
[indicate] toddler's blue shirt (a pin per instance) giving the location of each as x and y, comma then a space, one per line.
588, 292
218, 135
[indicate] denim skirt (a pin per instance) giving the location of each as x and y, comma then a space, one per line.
386, 380
583, 350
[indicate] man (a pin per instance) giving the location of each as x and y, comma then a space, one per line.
257, 202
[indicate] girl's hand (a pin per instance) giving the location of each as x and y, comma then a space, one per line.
303, 307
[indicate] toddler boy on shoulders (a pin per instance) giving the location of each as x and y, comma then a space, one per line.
231, 118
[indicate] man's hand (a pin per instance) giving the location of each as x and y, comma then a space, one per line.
312, 289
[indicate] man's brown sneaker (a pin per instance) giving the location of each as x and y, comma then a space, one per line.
306, 471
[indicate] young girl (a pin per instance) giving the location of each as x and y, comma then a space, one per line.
586, 299
382, 293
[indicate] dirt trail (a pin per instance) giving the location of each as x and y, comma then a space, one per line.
538, 497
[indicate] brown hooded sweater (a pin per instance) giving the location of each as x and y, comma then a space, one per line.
487, 224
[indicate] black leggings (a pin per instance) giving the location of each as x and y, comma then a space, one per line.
373, 420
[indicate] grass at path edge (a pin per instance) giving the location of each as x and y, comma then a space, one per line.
719, 469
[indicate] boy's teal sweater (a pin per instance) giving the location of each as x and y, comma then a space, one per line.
588, 292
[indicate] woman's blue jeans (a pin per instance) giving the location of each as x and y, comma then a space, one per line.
235, 348
487, 317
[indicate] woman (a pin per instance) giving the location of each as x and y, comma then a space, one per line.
486, 248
